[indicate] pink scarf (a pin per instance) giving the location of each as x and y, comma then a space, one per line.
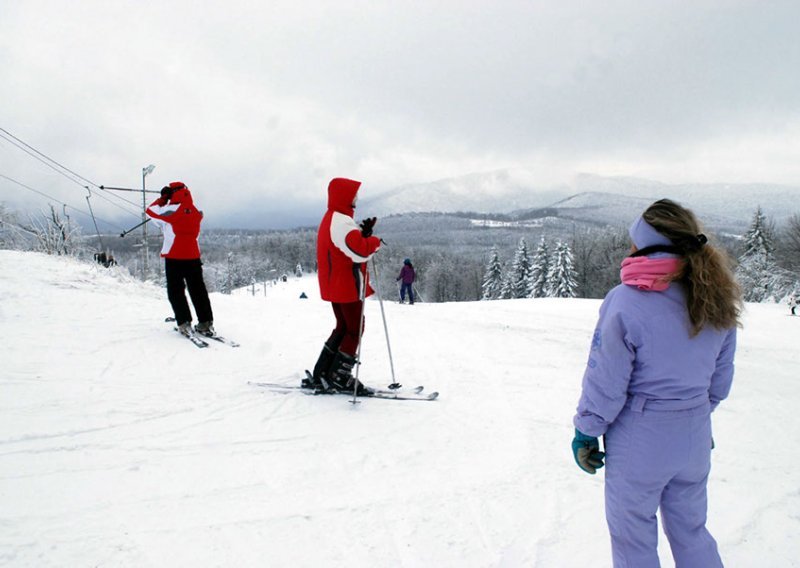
649, 273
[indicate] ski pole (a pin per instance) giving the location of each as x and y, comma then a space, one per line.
395, 384
363, 298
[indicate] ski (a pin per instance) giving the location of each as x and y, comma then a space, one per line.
219, 338
378, 393
193, 338
389, 389
215, 337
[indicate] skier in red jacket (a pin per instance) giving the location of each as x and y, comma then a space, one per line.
343, 248
175, 213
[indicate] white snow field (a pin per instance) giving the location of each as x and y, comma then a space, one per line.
122, 444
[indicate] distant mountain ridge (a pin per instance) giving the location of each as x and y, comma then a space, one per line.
590, 198
499, 191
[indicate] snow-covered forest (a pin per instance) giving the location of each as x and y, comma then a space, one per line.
455, 260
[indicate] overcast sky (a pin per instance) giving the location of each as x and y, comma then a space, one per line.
256, 105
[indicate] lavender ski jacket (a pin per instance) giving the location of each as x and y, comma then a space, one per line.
642, 354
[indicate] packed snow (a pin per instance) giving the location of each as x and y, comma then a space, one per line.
122, 444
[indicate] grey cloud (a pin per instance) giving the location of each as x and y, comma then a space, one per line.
264, 103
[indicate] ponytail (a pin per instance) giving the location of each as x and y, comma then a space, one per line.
712, 294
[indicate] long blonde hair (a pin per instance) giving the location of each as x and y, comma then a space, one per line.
713, 296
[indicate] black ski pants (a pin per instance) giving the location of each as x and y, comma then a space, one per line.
182, 274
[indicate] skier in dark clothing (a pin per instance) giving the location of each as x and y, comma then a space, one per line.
343, 248
407, 277
175, 213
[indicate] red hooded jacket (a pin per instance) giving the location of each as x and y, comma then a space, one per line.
342, 251
179, 220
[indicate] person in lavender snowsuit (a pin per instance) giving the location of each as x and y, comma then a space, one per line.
407, 276
660, 362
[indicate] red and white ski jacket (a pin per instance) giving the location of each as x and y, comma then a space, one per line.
179, 220
342, 251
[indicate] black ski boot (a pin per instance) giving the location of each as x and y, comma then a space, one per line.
320, 378
205, 328
341, 376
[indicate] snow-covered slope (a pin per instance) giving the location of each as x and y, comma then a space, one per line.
121, 444
512, 190
497, 191
722, 202
617, 210
610, 208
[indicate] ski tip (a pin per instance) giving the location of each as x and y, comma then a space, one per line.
433, 396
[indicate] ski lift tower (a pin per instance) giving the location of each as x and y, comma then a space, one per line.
145, 172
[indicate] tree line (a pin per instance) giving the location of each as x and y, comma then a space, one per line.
584, 264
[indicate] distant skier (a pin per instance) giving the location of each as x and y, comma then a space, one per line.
793, 302
106, 260
175, 213
343, 248
661, 360
406, 279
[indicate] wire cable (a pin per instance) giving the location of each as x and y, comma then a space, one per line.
76, 209
48, 161
46, 157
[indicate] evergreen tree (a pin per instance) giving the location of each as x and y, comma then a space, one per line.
788, 253
540, 267
758, 273
755, 275
520, 273
760, 237
507, 288
493, 278
562, 279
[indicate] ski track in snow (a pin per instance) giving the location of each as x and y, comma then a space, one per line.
121, 444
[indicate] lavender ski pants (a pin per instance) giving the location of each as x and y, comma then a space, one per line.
658, 457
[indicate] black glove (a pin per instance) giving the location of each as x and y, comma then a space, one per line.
367, 225
166, 192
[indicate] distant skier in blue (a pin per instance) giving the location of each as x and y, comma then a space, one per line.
661, 360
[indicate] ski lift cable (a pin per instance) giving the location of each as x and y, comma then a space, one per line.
46, 157
117, 205
76, 209
48, 161
40, 159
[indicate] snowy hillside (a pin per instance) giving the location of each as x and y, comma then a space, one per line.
617, 210
724, 201
607, 199
497, 191
121, 444
611, 208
